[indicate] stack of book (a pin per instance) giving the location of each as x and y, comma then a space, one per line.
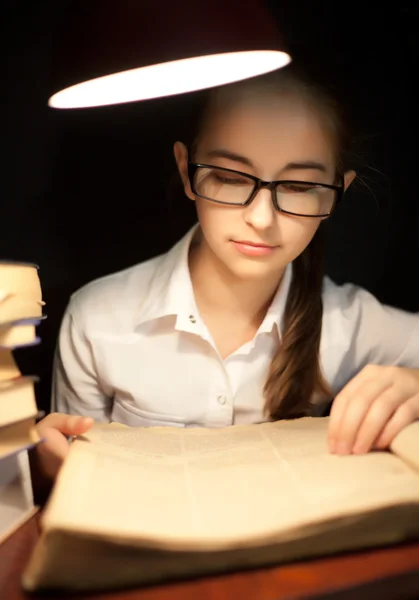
21, 309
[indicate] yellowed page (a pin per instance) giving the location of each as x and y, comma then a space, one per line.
14, 336
17, 436
406, 445
17, 400
199, 488
15, 307
338, 485
20, 279
8, 366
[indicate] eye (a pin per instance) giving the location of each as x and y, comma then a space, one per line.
229, 179
298, 188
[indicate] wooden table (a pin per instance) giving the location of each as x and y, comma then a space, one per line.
386, 573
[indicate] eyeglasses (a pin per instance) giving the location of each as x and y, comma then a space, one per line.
234, 188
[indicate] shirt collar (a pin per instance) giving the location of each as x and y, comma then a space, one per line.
171, 292
276, 311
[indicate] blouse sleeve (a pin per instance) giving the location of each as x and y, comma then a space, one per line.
76, 386
359, 330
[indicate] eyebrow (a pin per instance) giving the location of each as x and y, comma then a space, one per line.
304, 164
230, 156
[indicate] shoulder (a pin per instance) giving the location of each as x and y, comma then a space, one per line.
115, 298
358, 329
346, 300
353, 303
348, 308
343, 350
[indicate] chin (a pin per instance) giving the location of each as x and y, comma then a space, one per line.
254, 270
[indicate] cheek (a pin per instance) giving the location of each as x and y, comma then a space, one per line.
213, 218
297, 233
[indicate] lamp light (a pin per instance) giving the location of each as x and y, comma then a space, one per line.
119, 51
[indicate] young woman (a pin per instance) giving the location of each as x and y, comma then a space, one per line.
236, 324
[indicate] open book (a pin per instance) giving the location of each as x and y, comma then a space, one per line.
141, 505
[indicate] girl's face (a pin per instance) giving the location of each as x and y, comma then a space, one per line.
272, 138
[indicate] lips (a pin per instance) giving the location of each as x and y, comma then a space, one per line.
254, 244
253, 249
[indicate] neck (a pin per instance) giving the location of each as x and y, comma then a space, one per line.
218, 290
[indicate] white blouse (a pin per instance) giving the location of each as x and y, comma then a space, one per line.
133, 348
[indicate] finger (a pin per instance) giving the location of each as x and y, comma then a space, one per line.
53, 445
356, 410
407, 413
376, 419
337, 411
340, 403
66, 424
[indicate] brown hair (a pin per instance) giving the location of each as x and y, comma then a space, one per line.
295, 372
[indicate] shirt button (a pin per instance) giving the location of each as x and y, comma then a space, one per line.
192, 319
221, 399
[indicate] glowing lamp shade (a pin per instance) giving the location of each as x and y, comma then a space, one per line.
116, 51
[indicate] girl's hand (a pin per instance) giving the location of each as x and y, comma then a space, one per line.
54, 428
372, 408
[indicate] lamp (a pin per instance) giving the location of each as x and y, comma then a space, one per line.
120, 51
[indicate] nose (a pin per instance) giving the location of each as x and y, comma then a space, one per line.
261, 213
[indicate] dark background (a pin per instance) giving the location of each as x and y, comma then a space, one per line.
85, 193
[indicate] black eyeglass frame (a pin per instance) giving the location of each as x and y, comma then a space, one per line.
261, 184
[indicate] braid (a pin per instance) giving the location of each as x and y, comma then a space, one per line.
295, 370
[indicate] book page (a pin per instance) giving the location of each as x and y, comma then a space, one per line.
337, 485
406, 445
8, 366
218, 487
13, 308
17, 400
20, 279
17, 335
18, 436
